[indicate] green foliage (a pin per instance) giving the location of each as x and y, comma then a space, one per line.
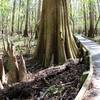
4, 7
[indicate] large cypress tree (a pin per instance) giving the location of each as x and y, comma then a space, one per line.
56, 42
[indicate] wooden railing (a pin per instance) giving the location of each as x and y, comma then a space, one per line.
88, 74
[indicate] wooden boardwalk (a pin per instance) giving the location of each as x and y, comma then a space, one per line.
94, 92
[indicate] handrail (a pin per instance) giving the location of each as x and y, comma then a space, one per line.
88, 80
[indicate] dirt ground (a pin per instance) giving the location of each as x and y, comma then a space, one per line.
62, 86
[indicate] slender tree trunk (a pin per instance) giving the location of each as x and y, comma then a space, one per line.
2, 25
18, 29
26, 23
31, 29
39, 10
38, 19
6, 27
21, 23
13, 17
85, 18
97, 22
91, 14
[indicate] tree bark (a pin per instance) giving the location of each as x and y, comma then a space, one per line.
52, 47
38, 19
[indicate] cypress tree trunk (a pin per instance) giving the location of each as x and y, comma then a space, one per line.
72, 17
56, 42
26, 23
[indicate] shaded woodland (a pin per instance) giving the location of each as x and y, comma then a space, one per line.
40, 57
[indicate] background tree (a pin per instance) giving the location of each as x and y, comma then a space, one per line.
85, 17
13, 16
92, 20
19, 16
98, 19
26, 22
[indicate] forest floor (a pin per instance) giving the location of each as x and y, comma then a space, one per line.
64, 85
94, 92
61, 86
